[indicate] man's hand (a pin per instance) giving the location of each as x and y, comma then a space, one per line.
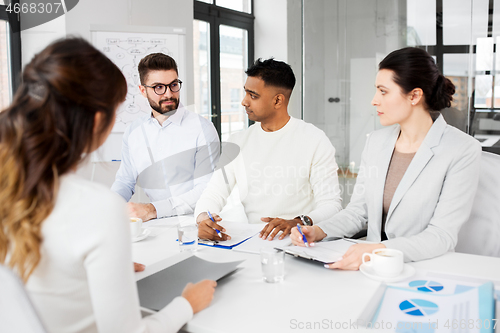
199, 295
275, 225
145, 212
138, 267
351, 260
206, 228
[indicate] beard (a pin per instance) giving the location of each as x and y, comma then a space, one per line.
163, 109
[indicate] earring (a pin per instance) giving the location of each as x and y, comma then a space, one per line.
413, 103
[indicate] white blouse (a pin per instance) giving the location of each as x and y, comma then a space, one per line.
85, 280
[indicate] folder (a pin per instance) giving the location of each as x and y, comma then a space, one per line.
324, 252
159, 289
239, 232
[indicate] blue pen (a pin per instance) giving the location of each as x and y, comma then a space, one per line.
210, 215
303, 236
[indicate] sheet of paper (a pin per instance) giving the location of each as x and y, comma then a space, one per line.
432, 312
255, 244
326, 252
238, 232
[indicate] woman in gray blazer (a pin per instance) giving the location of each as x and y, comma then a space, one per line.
418, 176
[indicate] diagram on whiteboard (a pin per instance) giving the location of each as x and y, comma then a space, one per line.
126, 49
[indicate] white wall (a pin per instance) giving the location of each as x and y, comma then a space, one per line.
270, 29
274, 37
36, 39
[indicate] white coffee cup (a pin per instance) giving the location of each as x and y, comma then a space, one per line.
135, 226
385, 262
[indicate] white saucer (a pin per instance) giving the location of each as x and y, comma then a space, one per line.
408, 272
145, 234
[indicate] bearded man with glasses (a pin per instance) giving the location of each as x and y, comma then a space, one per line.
170, 153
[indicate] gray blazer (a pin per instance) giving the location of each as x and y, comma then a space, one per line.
430, 204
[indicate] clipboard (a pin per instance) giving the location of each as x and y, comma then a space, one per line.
239, 232
220, 245
323, 252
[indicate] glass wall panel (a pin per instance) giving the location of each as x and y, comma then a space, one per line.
239, 5
484, 54
457, 22
483, 92
339, 74
496, 18
344, 40
480, 19
202, 88
421, 22
233, 63
456, 68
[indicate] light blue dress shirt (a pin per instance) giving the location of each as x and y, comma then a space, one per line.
172, 162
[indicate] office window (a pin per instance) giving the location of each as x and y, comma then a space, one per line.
223, 37
233, 42
236, 98
467, 37
202, 83
5, 77
10, 56
239, 5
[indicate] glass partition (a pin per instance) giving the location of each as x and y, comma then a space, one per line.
233, 63
344, 40
201, 55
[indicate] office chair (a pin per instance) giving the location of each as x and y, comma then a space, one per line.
481, 233
17, 313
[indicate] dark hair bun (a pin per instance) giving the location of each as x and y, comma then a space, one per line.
442, 94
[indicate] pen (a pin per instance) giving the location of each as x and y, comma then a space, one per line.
210, 215
303, 236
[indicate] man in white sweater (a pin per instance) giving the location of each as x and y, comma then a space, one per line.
286, 171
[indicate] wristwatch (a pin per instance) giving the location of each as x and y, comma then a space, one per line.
305, 220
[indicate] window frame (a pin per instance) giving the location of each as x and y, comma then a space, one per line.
15, 44
216, 16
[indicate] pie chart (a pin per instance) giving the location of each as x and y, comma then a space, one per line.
418, 307
426, 286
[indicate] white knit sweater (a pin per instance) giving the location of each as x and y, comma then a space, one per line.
284, 173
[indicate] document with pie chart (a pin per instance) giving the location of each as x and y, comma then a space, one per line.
421, 307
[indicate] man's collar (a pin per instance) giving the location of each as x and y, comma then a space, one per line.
175, 117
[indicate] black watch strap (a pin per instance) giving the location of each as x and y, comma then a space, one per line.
305, 220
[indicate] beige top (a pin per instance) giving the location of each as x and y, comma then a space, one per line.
397, 168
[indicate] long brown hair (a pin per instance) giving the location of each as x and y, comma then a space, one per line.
45, 133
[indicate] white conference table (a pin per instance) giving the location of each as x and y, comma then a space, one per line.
310, 293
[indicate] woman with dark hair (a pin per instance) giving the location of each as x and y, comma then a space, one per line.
68, 238
418, 176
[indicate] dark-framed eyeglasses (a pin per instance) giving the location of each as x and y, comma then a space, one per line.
161, 88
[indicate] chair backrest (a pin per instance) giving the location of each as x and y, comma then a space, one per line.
17, 313
481, 234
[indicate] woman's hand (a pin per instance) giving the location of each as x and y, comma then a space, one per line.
351, 260
312, 233
199, 295
139, 267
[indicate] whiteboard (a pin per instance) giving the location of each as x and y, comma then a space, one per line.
126, 46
